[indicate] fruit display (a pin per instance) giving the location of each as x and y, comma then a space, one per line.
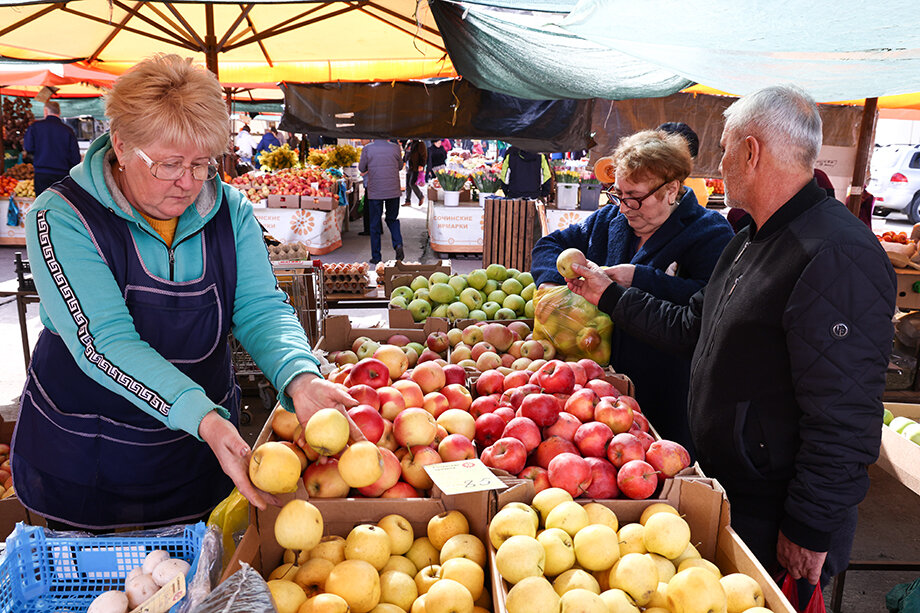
558, 555
16, 118
20, 172
346, 278
288, 181
7, 185
24, 189
389, 566
6, 473
495, 292
288, 251
141, 583
715, 186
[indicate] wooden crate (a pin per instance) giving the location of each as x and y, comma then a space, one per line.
508, 226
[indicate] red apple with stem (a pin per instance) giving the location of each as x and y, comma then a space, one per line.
489, 428
507, 454
525, 430
667, 457
592, 438
637, 479
550, 448
538, 475
570, 472
623, 448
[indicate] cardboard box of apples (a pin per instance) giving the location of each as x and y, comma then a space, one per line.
678, 554
900, 450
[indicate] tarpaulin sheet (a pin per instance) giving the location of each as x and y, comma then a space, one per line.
447, 109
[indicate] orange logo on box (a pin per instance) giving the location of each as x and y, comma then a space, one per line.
302, 222
568, 219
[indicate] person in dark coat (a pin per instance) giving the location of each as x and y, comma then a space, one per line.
269, 141
657, 239
525, 174
437, 156
416, 158
790, 342
53, 146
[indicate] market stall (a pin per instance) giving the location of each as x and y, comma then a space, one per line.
320, 231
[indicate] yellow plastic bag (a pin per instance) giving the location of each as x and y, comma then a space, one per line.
231, 515
575, 327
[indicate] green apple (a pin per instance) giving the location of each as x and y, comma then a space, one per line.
403, 292
512, 286
438, 277
440, 311
525, 278
899, 423
497, 272
471, 298
490, 308
528, 309
419, 348
513, 273
504, 313
418, 282
515, 303
498, 296
483, 295
887, 416
458, 310
912, 433
528, 291
478, 315
477, 278
442, 293
399, 303
420, 309
491, 286
458, 282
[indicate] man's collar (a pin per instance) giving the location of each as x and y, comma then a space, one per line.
804, 199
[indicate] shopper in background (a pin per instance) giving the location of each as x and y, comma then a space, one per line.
379, 165
655, 237
269, 141
525, 174
437, 156
416, 158
245, 144
145, 262
53, 146
790, 342
697, 184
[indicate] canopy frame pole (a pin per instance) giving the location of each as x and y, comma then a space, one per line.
175, 32
278, 29
398, 26
244, 12
863, 146
115, 31
30, 18
260, 42
178, 41
210, 41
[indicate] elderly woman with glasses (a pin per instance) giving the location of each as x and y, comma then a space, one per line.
144, 262
653, 235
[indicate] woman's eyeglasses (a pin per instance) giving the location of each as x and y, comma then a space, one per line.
169, 171
631, 203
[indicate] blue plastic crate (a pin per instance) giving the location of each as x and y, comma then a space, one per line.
44, 574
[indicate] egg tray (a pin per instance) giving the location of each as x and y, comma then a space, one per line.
288, 251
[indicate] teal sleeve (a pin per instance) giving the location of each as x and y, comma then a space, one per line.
57, 240
264, 322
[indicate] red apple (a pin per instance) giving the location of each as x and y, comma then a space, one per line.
472, 335
617, 416
439, 435
458, 397
550, 448
435, 403
414, 427
370, 371
516, 379
515, 396
524, 430
506, 413
401, 490
667, 457
632, 402
365, 394
566, 425
506, 454
498, 335
369, 421
456, 447
438, 342
637, 479
570, 472
519, 327
428, 356
429, 376
322, 480
623, 448
593, 370
580, 376
480, 348
483, 405
490, 382
645, 439
387, 440
543, 409
391, 402
532, 349
555, 377
603, 479
391, 473
538, 475
582, 404
640, 421
592, 438
413, 466
507, 360
602, 388
411, 392
454, 375
515, 349
489, 428
400, 340
340, 374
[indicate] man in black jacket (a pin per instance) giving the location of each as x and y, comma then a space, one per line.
790, 341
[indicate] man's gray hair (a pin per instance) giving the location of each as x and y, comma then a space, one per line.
784, 117
53, 107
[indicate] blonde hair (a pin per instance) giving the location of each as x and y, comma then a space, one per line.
653, 153
166, 99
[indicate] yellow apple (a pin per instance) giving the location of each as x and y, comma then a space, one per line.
427, 577
700, 563
325, 603
285, 571
361, 464
510, 522
546, 500
581, 601
398, 588
569, 516
741, 592
529, 509
287, 595
419, 605
632, 539
284, 424
464, 546
636, 575
576, 579
689, 553
396, 360
327, 432
666, 569
458, 421
331, 548
400, 532
357, 582
666, 534
532, 595
386, 607
660, 597
274, 468
520, 556
422, 553
445, 525
658, 507
448, 596
311, 577
695, 589
560, 551
465, 572
299, 525
596, 547
599, 514
401, 564
369, 543
618, 601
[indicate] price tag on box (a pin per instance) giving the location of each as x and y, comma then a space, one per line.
165, 598
463, 476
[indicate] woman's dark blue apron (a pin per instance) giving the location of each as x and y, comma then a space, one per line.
89, 457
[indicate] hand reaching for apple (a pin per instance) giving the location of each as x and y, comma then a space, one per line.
591, 283
311, 393
621, 273
232, 453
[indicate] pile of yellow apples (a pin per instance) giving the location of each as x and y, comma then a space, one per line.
380, 568
559, 555
6, 473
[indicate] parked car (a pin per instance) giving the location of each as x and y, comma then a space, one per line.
895, 180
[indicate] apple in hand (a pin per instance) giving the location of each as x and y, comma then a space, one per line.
667, 457
570, 472
370, 371
507, 454
566, 259
637, 479
369, 421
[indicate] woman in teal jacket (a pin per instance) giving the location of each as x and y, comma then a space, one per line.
144, 262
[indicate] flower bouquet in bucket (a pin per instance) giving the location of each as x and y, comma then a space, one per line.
487, 182
451, 181
590, 191
567, 182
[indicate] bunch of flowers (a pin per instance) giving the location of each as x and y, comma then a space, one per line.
566, 175
588, 177
451, 180
486, 181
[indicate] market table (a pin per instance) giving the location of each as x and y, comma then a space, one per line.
14, 235
320, 231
